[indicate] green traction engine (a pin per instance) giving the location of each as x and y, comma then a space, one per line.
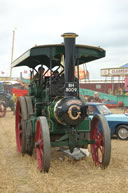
54, 114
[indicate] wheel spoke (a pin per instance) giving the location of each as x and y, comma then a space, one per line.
39, 148
19, 113
101, 149
99, 139
39, 158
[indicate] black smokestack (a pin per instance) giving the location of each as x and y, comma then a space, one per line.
69, 63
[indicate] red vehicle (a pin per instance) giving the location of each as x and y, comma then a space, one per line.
19, 92
15, 88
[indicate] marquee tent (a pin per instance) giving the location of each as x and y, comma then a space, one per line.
124, 66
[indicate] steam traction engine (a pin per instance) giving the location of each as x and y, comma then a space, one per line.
54, 114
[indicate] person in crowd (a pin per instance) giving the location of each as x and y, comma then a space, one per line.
90, 99
96, 97
58, 84
38, 74
126, 110
55, 76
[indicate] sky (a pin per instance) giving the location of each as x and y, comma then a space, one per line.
97, 22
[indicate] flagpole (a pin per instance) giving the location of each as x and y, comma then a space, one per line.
13, 39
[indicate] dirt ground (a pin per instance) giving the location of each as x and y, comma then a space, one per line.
20, 174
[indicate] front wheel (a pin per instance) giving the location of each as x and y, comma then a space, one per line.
100, 135
42, 141
122, 132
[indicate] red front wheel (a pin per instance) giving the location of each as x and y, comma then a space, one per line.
100, 134
42, 141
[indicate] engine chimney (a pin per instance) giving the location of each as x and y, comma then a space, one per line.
69, 64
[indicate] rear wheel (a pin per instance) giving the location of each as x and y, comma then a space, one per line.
100, 134
21, 117
122, 132
42, 140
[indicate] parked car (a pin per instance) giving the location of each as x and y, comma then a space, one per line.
118, 123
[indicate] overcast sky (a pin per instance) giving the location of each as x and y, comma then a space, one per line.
97, 22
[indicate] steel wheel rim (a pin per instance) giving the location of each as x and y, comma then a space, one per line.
123, 133
39, 145
18, 126
97, 149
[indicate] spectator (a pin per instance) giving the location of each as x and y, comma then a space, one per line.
38, 74
126, 110
55, 76
96, 97
90, 99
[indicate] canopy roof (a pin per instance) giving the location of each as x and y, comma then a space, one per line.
42, 55
124, 65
